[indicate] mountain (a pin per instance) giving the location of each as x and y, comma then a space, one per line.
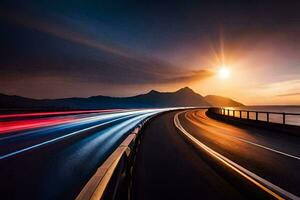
153, 99
13, 101
219, 101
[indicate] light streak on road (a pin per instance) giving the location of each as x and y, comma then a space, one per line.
225, 144
56, 154
41, 114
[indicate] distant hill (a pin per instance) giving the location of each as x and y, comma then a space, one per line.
219, 101
153, 99
13, 101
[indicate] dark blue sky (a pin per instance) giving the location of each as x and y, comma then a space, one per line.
81, 48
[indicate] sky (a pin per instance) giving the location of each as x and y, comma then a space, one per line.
55, 49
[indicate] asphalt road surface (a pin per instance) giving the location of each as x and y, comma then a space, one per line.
53, 155
186, 155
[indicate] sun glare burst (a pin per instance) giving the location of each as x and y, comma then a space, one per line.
224, 72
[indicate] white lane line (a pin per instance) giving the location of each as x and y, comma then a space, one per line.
57, 139
258, 145
92, 119
130, 114
120, 115
267, 186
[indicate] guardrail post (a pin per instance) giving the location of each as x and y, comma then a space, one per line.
226, 112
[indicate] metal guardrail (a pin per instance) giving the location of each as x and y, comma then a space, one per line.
240, 114
112, 179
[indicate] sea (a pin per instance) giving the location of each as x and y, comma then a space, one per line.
276, 118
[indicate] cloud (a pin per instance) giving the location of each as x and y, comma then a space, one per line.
61, 31
113, 71
98, 61
192, 77
286, 88
289, 94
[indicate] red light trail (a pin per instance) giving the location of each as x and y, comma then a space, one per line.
11, 126
40, 114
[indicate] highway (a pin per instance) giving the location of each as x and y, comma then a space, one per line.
52, 155
186, 155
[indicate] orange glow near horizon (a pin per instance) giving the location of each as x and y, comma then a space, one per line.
260, 74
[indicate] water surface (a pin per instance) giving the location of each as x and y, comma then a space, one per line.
276, 118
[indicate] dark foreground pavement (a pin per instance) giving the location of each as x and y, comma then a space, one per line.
169, 167
55, 162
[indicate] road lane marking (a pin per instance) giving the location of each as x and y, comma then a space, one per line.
252, 143
129, 115
81, 121
57, 139
267, 186
123, 116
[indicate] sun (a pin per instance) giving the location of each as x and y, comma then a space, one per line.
224, 72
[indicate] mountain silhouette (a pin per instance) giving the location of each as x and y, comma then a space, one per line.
219, 101
185, 97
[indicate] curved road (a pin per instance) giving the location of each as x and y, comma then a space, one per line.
53, 157
187, 155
